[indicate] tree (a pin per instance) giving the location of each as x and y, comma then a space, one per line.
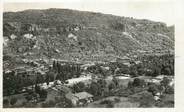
102, 83
108, 103
47, 79
112, 86
167, 71
165, 82
63, 102
50, 103
79, 87
37, 89
39, 79
153, 89
146, 100
43, 94
138, 82
9, 83
5, 103
133, 71
95, 89
130, 84
54, 65
169, 90
13, 101
156, 71
115, 81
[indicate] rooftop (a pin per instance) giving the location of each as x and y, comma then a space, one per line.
83, 95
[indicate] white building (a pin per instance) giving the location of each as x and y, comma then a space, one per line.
84, 79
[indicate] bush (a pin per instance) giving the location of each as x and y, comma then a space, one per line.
13, 101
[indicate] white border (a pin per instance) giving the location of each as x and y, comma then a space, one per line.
179, 72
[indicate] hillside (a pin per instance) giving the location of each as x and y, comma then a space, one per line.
78, 35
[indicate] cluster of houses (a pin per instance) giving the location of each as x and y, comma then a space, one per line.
80, 99
77, 99
157, 80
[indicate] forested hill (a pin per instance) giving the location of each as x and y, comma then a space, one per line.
80, 35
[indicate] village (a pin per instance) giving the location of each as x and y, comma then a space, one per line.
119, 83
62, 58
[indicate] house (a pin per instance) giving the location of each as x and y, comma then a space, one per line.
157, 96
63, 89
137, 62
79, 99
13, 36
72, 36
152, 80
73, 81
123, 76
123, 59
72, 98
57, 90
85, 66
84, 97
5, 40
171, 84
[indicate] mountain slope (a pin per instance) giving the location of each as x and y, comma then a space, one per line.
78, 35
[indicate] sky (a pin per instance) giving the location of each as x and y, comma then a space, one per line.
153, 10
